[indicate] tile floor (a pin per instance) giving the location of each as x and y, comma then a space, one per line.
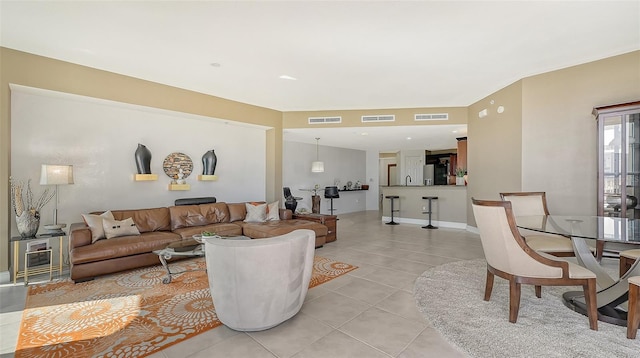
369, 312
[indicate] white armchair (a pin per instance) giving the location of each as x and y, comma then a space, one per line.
258, 284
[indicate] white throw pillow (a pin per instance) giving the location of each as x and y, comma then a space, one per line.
115, 228
273, 211
255, 213
94, 222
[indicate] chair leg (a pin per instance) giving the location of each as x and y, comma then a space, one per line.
488, 286
633, 316
590, 301
514, 300
538, 291
625, 265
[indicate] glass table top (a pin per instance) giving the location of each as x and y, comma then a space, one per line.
603, 228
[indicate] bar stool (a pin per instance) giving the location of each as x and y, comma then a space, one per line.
392, 197
633, 316
331, 192
430, 198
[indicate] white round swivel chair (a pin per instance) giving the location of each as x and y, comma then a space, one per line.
258, 284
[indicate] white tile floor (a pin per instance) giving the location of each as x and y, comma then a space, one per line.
369, 312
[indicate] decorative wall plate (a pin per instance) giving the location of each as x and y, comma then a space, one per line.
176, 161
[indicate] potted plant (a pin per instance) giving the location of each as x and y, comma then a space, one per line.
460, 173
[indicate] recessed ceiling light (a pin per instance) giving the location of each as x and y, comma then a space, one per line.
285, 77
215, 64
364, 133
408, 138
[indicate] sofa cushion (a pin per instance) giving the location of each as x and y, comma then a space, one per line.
237, 211
115, 228
256, 213
122, 246
222, 229
94, 222
273, 212
198, 215
276, 228
147, 220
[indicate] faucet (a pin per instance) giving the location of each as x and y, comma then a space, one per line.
405, 180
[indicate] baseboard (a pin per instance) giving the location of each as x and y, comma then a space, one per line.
422, 222
5, 277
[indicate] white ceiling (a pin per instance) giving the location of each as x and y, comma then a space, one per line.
345, 55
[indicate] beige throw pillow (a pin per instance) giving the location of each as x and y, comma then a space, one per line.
94, 222
115, 228
273, 211
256, 213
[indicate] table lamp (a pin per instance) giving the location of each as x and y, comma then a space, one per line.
56, 175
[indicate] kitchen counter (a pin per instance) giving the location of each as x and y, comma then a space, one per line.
449, 210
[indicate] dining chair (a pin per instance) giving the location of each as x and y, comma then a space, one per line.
633, 314
535, 203
627, 258
509, 257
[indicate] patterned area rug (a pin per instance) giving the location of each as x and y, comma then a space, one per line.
129, 314
451, 297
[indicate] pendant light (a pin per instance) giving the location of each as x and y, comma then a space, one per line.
317, 166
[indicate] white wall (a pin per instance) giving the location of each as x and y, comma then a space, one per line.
339, 163
99, 139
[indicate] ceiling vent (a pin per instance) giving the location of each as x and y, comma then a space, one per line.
379, 118
320, 120
432, 117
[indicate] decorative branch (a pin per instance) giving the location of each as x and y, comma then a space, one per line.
21, 204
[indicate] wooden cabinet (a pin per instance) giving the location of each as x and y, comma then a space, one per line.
618, 159
330, 221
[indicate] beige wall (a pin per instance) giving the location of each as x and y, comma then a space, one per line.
36, 71
546, 138
494, 150
559, 132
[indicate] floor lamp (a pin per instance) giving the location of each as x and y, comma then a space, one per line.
56, 175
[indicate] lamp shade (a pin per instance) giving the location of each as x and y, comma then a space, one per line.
56, 174
317, 167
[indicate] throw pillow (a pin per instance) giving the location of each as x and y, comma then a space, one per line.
94, 222
256, 213
273, 211
115, 228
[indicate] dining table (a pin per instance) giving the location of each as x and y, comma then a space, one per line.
612, 294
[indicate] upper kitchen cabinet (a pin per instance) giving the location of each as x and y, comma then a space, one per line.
618, 159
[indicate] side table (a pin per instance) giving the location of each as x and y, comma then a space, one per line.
330, 221
20, 247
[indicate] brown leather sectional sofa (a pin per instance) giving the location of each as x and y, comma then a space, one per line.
160, 226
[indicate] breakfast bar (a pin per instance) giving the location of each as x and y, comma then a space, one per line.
450, 210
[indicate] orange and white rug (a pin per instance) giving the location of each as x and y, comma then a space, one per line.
129, 314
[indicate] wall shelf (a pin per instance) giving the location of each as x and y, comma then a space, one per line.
203, 177
145, 177
179, 187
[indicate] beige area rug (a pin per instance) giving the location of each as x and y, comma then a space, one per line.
450, 296
129, 314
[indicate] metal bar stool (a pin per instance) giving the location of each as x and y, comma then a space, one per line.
392, 197
331, 192
430, 198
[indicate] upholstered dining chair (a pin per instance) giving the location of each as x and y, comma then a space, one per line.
633, 314
260, 283
627, 258
509, 257
535, 203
